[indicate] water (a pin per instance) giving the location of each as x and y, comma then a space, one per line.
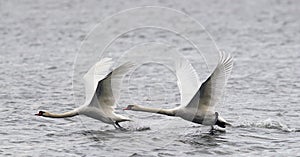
39, 41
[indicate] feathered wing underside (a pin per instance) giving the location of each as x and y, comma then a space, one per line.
108, 90
211, 91
187, 80
96, 73
103, 85
102, 90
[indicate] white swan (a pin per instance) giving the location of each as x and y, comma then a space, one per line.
197, 103
102, 87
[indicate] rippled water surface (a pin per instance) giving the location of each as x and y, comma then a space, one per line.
39, 41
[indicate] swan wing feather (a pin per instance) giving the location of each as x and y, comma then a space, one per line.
187, 80
96, 73
212, 90
108, 90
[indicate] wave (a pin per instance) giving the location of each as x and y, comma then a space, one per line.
268, 124
134, 126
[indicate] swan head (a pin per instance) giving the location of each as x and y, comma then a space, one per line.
41, 113
132, 107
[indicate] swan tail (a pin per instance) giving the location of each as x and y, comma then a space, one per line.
121, 118
124, 120
221, 122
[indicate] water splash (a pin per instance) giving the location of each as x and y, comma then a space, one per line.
268, 124
135, 126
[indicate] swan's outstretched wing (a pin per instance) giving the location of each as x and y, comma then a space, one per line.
211, 91
108, 90
96, 73
187, 80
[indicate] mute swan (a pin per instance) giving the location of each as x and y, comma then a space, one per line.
197, 103
102, 89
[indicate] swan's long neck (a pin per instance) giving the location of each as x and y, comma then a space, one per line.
168, 112
62, 115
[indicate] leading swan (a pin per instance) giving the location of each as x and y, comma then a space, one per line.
197, 103
102, 90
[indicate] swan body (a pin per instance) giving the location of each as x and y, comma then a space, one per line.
197, 102
102, 87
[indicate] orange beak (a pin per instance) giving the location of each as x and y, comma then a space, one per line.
126, 108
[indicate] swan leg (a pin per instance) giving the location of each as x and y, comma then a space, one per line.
212, 130
114, 124
119, 126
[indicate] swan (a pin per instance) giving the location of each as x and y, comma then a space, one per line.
197, 103
102, 87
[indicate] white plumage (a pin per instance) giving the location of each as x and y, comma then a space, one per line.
198, 102
102, 87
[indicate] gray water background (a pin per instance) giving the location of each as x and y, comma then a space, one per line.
39, 41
